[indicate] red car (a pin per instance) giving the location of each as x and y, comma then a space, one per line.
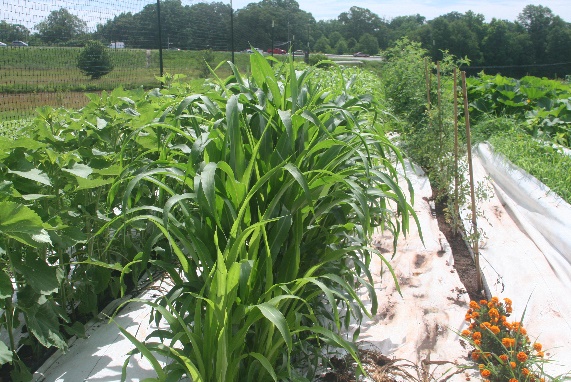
277, 51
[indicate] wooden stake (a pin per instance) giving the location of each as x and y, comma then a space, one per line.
472, 194
456, 180
440, 124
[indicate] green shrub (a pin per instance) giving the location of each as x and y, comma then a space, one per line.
94, 60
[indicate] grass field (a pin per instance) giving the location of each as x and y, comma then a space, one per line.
36, 76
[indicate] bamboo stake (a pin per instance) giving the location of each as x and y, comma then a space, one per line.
440, 124
472, 194
456, 180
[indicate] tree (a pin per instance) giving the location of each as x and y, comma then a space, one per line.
341, 47
12, 32
60, 27
94, 60
558, 46
322, 45
369, 44
537, 20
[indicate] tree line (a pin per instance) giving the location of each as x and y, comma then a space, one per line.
538, 42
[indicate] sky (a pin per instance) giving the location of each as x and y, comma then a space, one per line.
31, 12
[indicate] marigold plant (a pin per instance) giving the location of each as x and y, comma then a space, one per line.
502, 349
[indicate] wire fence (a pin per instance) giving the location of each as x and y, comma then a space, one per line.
42, 40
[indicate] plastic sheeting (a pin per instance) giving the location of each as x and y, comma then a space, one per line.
101, 355
422, 325
525, 254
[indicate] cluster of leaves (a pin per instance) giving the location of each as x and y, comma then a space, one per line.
543, 106
503, 350
423, 104
258, 197
94, 60
54, 180
268, 189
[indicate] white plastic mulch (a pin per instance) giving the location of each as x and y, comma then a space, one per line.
101, 355
527, 253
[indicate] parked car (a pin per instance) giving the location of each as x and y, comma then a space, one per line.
361, 54
19, 43
299, 52
2, 44
252, 51
277, 51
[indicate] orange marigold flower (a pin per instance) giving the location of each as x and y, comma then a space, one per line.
537, 346
504, 357
521, 356
495, 329
474, 305
477, 342
508, 342
485, 373
507, 301
477, 335
483, 302
475, 315
466, 332
512, 364
509, 309
513, 380
540, 354
525, 371
475, 355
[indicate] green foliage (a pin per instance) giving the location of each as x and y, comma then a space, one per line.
94, 60
549, 164
60, 27
322, 45
261, 192
541, 105
369, 44
320, 60
404, 80
266, 191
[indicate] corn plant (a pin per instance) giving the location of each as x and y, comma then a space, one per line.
264, 192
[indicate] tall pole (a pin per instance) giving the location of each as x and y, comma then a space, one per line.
272, 63
472, 193
232, 30
160, 38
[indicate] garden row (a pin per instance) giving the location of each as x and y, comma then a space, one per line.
257, 197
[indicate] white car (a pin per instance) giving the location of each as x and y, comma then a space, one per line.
2, 44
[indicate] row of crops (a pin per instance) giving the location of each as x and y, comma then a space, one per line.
257, 196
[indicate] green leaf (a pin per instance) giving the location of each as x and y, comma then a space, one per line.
22, 224
6, 288
5, 354
77, 329
43, 323
144, 351
20, 372
37, 273
33, 174
277, 318
266, 364
79, 170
